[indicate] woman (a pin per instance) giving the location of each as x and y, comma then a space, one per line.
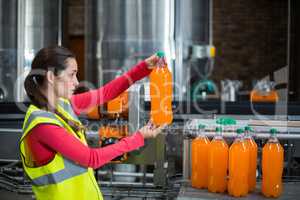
54, 151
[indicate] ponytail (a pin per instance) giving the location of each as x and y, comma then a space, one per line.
32, 86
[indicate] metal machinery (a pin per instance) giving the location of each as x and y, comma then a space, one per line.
119, 34
26, 26
122, 32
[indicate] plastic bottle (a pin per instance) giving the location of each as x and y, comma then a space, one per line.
161, 93
200, 149
218, 163
94, 113
252, 146
119, 104
272, 166
238, 166
118, 107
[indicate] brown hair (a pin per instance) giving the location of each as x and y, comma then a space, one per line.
47, 59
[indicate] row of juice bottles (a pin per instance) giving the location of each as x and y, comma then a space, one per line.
218, 168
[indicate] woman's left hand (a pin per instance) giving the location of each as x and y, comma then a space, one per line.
152, 61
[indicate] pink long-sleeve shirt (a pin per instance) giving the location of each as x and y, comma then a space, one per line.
45, 140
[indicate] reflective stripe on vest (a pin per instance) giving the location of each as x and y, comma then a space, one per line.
69, 171
65, 108
39, 114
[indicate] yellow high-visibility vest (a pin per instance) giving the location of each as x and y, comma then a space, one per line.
61, 178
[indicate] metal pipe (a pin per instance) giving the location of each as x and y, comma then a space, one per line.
255, 135
210, 22
209, 134
60, 22
20, 45
11, 130
116, 183
290, 156
186, 160
135, 174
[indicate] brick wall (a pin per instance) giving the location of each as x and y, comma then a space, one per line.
250, 38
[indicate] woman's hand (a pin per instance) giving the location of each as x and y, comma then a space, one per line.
151, 130
152, 61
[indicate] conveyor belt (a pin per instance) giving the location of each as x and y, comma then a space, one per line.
291, 192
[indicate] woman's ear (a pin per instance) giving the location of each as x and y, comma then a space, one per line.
50, 77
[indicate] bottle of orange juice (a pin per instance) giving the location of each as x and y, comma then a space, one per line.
161, 93
94, 113
118, 105
252, 146
272, 166
218, 163
200, 148
238, 166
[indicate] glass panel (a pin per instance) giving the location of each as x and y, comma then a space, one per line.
25, 27
8, 48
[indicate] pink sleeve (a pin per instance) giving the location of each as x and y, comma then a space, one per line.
82, 102
57, 139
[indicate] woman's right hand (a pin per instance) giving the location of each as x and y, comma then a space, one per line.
152, 61
150, 130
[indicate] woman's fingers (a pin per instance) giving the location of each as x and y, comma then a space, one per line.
152, 61
158, 129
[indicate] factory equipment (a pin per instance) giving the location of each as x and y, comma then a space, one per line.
123, 122
119, 34
264, 92
26, 26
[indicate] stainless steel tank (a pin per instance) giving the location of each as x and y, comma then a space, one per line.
25, 27
8, 48
193, 41
122, 32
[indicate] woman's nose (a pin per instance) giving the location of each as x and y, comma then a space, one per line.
76, 83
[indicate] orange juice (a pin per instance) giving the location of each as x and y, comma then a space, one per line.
272, 167
118, 104
200, 150
161, 94
218, 164
238, 167
94, 113
252, 146
256, 96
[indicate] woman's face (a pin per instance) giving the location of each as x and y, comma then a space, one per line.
66, 82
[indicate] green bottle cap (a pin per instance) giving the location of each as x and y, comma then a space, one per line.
239, 131
220, 120
231, 121
201, 126
226, 121
273, 131
248, 128
218, 129
160, 54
